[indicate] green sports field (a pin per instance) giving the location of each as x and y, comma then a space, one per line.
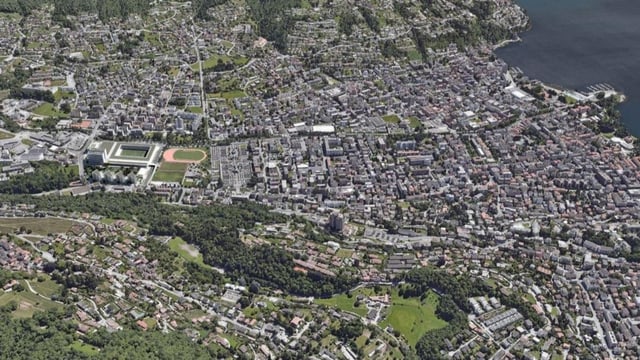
170, 172
189, 154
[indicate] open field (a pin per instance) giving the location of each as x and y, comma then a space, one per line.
86, 349
414, 122
232, 94
413, 318
39, 226
414, 55
394, 119
151, 322
28, 303
213, 61
170, 172
170, 166
344, 303
186, 251
194, 109
47, 288
47, 109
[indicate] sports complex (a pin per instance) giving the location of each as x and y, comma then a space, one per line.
175, 162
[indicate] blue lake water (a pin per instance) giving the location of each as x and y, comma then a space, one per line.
577, 43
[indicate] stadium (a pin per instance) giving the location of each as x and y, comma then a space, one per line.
122, 154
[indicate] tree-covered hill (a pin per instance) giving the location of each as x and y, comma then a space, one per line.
214, 228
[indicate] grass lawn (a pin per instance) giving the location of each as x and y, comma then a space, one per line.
151, 323
194, 314
35, 45
28, 303
608, 135
413, 318
5, 135
194, 109
66, 95
232, 94
492, 282
414, 122
530, 298
39, 226
414, 55
152, 38
391, 118
569, 100
360, 341
237, 113
47, 287
344, 303
328, 341
58, 82
83, 348
190, 154
251, 311
173, 166
174, 71
213, 61
186, 251
47, 109
168, 176
27, 142
170, 172
107, 221
344, 253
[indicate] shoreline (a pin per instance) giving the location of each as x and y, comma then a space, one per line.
589, 96
507, 42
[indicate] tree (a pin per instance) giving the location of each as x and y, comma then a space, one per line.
254, 287
65, 107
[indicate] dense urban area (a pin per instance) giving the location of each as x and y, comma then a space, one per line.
306, 179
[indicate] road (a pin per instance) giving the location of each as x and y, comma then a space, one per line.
35, 292
45, 255
95, 307
453, 353
203, 98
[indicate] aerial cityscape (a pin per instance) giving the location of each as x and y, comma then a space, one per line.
309, 179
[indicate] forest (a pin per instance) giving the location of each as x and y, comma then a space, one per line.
274, 19
214, 228
464, 33
105, 9
35, 94
23, 7
47, 176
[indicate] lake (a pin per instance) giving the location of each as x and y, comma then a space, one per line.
577, 43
